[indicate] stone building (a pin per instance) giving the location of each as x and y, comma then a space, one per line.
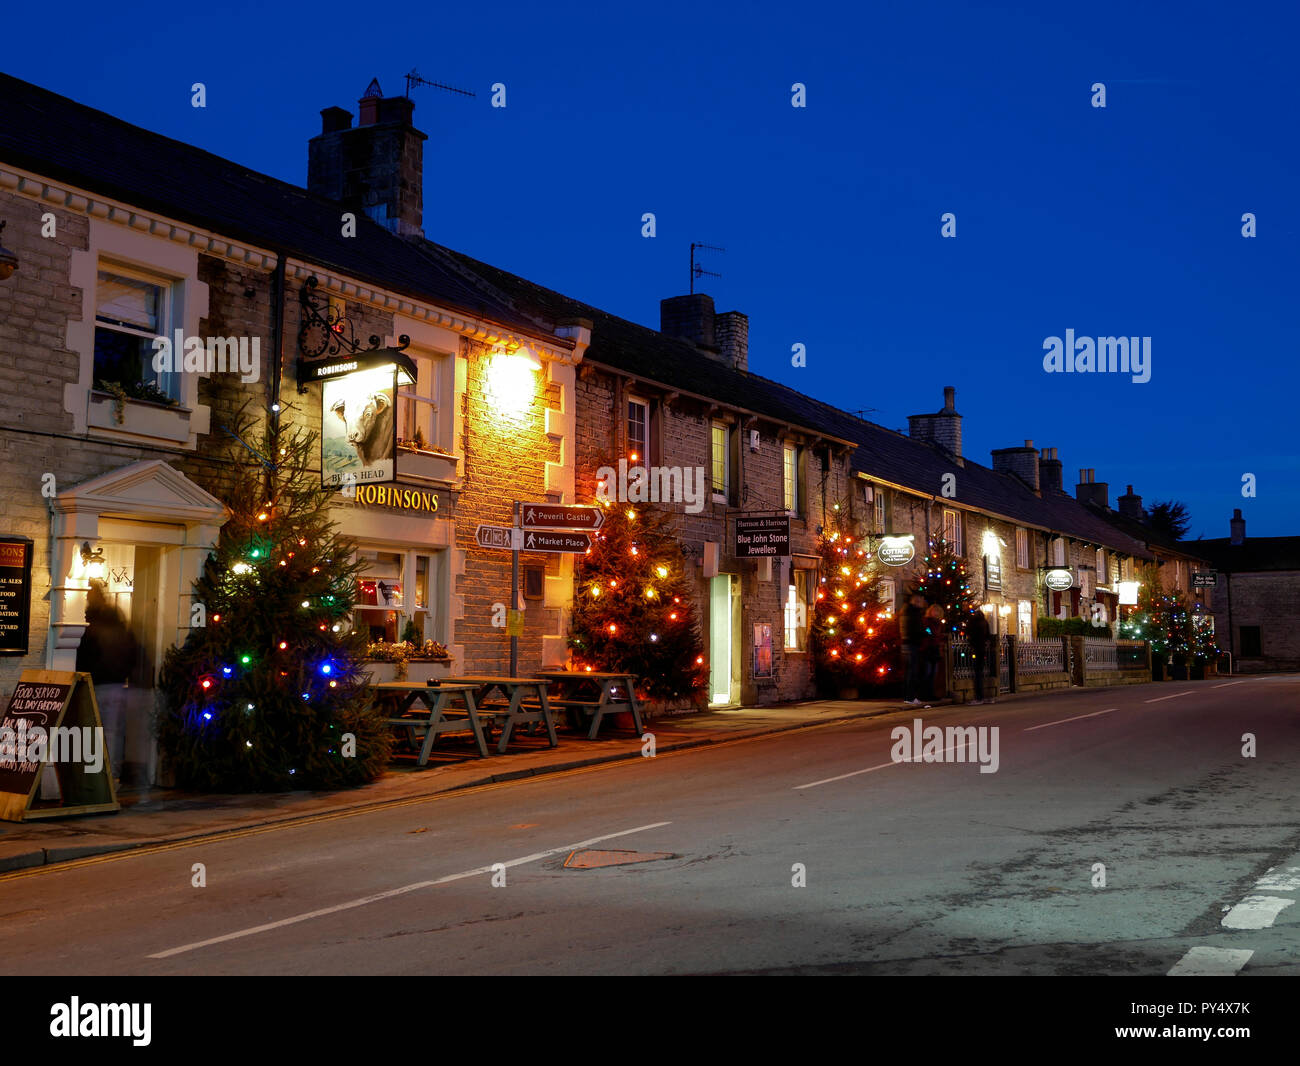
123, 236
1258, 595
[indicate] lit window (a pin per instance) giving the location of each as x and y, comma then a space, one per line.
721, 481
1101, 566
1058, 551
130, 311
880, 511
796, 611
1022, 549
638, 430
790, 459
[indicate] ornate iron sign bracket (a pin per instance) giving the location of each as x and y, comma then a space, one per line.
328, 346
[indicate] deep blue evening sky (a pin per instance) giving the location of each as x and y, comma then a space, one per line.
1125, 220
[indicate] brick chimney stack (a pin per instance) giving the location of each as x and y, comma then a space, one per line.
376, 168
1051, 477
1091, 491
1238, 527
1023, 462
1130, 506
942, 428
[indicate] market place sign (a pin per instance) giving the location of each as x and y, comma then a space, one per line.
896, 551
15, 594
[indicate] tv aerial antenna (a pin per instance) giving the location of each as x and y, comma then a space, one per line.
696, 269
413, 79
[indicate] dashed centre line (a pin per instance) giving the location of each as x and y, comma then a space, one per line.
1161, 699
1076, 718
396, 892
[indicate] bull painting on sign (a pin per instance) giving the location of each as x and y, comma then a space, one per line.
359, 428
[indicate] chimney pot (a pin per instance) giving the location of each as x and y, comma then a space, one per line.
334, 119
1237, 527
949, 398
690, 318
942, 428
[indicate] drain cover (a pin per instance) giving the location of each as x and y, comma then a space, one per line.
588, 859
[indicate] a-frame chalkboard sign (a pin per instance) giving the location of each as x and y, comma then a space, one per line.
60, 709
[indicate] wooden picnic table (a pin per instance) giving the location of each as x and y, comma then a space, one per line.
517, 712
436, 700
584, 693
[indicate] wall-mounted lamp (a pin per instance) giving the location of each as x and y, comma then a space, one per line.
93, 562
510, 382
8, 261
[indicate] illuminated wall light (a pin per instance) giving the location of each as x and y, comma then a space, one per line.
510, 383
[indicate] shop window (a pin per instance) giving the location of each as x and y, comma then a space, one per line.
1024, 620
796, 610
378, 608
131, 309
1022, 549
1252, 643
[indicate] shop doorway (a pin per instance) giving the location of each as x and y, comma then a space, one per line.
724, 640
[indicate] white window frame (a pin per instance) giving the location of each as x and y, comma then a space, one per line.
1022, 548
643, 450
425, 404
408, 567
1058, 551
170, 383
952, 531
881, 511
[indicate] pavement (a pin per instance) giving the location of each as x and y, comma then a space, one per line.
161, 816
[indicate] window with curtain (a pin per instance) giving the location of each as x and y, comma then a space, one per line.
131, 310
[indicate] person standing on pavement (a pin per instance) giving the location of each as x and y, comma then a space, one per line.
912, 626
977, 630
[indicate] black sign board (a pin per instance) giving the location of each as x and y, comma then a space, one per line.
992, 574
15, 594
37, 728
1204, 579
759, 537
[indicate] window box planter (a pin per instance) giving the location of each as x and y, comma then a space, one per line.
140, 418
411, 670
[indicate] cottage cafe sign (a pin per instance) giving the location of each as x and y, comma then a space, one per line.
896, 551
396, 496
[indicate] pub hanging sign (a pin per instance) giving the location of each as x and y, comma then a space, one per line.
15, 594
359, 386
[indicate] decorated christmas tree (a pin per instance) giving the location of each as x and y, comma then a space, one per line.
944, 582
855, 639
633, 606
266, 693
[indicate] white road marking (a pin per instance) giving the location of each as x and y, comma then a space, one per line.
855, 773
1228, 684
1076, 718
396, 892
1288, 881
1160, 699
1211, 962
1256, 912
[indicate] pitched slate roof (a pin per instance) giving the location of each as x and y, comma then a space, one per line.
1255, 553
1142, 532
878, 452
58, 138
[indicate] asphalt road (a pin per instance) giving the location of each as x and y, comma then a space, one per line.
920, 867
